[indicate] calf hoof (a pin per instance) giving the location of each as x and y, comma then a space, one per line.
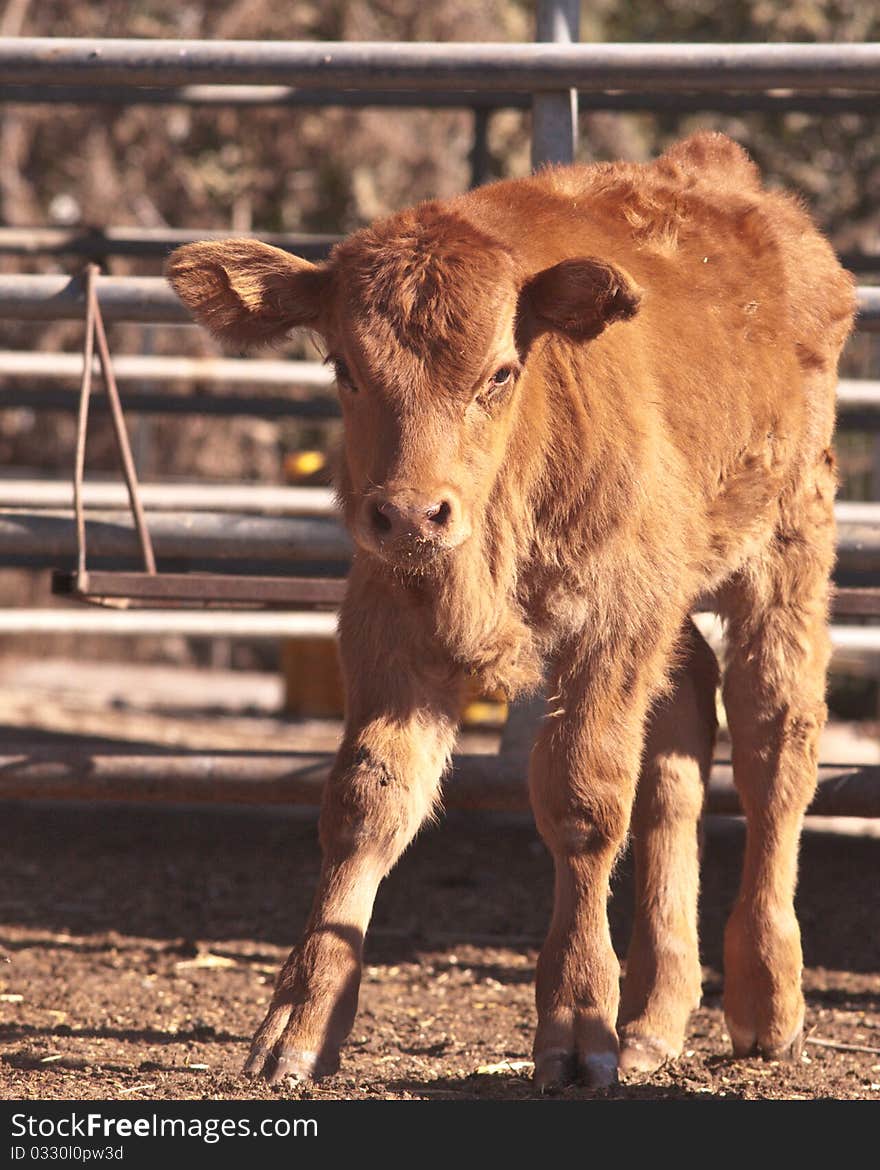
746, 1044
283, 1063
558, 1067
643, 1054
554, 1068
599, 1070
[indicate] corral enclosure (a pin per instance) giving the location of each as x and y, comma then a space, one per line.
168, 156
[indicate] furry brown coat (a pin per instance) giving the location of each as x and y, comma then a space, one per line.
574, 404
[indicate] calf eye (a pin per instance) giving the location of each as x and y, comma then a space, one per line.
496, 388
342, 374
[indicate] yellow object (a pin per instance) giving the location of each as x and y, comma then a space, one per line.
484, 712
302, 464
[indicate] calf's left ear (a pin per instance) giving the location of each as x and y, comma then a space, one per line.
578, 298
248, 293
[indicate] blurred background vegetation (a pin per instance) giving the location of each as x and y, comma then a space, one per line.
333, 169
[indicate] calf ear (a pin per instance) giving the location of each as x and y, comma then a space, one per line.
246, 292
576, 297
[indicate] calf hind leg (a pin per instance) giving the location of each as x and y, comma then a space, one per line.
663, 979
774, 694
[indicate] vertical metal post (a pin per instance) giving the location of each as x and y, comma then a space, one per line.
479, 153
554, 115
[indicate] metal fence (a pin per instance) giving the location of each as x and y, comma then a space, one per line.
267, 526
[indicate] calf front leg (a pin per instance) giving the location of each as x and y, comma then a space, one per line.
663, 978
582, 781
385, 781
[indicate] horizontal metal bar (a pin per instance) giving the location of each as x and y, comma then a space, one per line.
858, 421
254, 625
281, 96
137, 369
858, 542
444, 67
81, 769
857, 601
149, 298
194, 536
860, 640
122, 298
280, 567
203, 589
844, 790
97, 243
854, 394
172, 497
150, 368
858, 536
857, 512
316, 407
860, 261
868, 319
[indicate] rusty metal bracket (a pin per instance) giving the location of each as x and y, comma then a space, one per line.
224, 590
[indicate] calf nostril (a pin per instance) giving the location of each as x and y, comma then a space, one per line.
381, 522
439, 513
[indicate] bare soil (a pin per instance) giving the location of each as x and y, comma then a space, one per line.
142, 942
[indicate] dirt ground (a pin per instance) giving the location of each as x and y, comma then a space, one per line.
138, 947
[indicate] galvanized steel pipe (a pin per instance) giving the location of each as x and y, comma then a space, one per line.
426, 67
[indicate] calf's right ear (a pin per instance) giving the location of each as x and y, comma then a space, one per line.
248, 293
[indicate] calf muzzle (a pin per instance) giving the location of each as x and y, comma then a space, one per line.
407, 525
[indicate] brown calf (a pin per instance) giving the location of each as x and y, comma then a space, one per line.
573, 404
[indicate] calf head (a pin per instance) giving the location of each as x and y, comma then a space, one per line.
428, 324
